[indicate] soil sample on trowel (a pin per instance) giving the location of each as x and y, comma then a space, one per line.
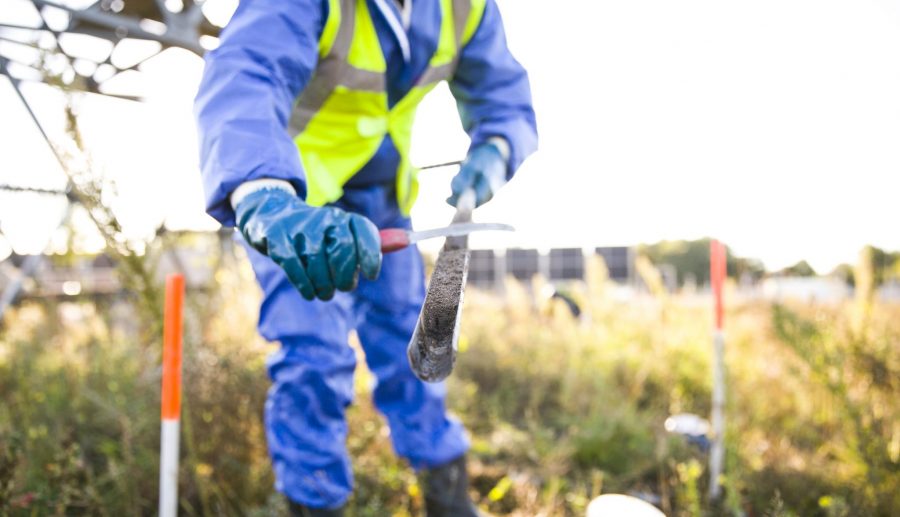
432, 352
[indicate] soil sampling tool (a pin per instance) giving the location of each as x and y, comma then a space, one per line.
395, 239
432, 349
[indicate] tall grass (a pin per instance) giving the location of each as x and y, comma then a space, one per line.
560, 409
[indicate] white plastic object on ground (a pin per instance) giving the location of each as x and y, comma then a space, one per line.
617, 505
687, 424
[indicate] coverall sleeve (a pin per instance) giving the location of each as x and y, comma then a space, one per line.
267, 54
492, 91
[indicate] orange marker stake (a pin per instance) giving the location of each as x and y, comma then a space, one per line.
171, 396
718, 262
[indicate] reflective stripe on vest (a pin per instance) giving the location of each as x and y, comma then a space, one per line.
342, 116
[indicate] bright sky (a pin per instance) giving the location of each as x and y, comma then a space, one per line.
773, 125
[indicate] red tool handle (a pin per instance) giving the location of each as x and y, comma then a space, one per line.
393, 239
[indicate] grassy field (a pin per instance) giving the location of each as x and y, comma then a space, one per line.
560, 409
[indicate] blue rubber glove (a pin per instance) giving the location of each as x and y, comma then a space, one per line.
320, 248
484, 170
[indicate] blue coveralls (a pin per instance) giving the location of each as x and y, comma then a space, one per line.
266, 55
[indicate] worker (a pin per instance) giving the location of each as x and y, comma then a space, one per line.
305, 115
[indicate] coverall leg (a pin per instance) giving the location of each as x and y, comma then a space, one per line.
312, 372
421, 430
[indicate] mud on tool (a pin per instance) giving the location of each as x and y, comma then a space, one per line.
432, 349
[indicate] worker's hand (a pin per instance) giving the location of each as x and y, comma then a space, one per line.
484, 171
320, 249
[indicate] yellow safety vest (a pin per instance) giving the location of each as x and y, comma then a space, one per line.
342, 116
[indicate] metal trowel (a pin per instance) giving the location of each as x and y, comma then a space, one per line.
432, 350
396, 239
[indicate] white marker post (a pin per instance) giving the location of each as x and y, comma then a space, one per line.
171, 397
718, 272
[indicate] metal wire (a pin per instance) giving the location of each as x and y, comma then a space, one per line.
439, 165
11, 291
15, 84
33, 190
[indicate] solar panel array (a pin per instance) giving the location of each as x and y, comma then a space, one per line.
488, 267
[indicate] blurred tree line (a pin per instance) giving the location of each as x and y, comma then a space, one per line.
690, 259
884, 266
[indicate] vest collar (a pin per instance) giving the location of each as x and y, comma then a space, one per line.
398, 22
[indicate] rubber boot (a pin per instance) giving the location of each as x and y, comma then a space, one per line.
297, 510
447, 490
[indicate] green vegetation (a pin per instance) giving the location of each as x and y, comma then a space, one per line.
801, 268
883, 265
691, 260
560, 410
